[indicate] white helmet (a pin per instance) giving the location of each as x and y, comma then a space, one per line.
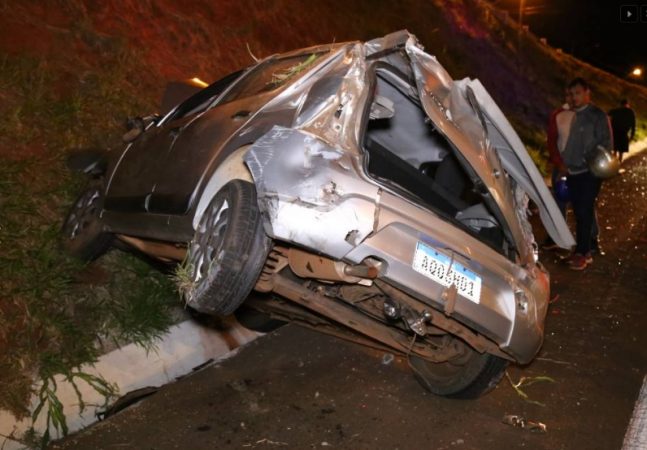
604, 164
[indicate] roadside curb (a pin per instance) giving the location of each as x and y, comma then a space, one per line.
183, 348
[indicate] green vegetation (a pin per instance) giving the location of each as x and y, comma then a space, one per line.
282, 76
56, 312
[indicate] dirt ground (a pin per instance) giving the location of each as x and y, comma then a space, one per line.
298, 389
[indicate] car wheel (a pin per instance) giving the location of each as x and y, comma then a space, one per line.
255, 320
82, 234
469, 376
228, 251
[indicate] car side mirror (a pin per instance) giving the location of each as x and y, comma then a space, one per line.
136, 126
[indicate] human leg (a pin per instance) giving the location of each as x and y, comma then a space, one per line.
584, 189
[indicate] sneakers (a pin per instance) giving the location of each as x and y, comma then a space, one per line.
579, 262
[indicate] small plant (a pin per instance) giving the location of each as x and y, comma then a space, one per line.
284, 75
183, 277
49, 402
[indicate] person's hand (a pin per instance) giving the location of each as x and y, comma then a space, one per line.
562, 170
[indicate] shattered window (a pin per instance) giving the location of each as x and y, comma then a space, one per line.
271, 75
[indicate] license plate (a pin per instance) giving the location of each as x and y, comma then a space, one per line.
435, 265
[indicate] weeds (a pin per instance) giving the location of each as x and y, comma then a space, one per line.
183, 277
281, 76
51, 405
56, 312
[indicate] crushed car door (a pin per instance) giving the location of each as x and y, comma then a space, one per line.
135, 176
131, 181
200, 140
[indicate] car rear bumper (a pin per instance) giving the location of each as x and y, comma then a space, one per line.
510, 310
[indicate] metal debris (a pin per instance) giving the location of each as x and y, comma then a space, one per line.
387, 359
522, 422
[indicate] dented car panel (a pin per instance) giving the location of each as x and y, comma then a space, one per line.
315, 194
362, 152
310, 193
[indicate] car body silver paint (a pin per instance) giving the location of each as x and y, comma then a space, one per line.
314, 193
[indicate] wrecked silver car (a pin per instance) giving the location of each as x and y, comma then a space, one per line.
363, 190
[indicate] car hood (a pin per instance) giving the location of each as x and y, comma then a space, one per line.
468, 116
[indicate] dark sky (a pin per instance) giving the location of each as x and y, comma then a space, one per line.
589, 30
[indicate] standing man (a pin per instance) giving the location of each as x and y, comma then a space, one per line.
589, 129
623, 124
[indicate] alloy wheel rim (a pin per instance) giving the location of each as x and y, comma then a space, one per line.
206, 250
83, 213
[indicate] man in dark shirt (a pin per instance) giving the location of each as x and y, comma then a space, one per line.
588, 130
623, 124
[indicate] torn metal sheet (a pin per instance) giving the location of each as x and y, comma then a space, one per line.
478, 127
308, 192
519, 165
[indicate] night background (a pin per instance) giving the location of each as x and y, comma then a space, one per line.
592, 31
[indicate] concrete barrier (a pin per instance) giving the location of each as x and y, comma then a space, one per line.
184, 347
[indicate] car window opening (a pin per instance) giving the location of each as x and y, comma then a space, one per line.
406, 152
203, 98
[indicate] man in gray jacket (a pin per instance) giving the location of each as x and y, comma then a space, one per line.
589, 128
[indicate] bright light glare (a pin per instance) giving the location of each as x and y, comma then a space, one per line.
637, 72
199, 82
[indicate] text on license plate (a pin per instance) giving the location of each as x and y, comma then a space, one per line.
434, 264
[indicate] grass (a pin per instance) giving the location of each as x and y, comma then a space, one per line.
183, 278
55, 312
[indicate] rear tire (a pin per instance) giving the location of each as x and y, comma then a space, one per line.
82, 233
471, 375
255, 320
228, 251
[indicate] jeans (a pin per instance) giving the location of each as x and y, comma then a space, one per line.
595, 230
560, 204
584, 189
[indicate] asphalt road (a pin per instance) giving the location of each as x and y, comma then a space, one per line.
297, 389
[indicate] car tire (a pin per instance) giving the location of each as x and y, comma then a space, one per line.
228, 251
83, 235
474, 375
258, 321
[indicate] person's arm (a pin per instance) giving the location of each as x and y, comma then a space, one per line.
602, 132
551, 141
633, 125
